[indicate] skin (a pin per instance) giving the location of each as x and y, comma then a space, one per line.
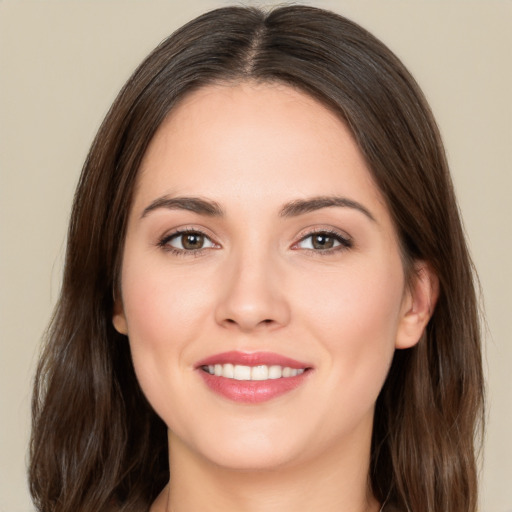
259, 285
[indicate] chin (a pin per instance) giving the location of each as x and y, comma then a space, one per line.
251, 458
253, 450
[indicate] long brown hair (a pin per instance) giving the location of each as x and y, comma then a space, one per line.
96, 443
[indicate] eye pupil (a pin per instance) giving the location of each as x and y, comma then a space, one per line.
192, 241
322, 241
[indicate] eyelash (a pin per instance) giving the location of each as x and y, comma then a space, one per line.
164, 242
344, 242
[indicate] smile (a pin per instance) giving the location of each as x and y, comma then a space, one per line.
252, 377
256, 373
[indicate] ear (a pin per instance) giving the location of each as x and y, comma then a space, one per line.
118, 316
418, 305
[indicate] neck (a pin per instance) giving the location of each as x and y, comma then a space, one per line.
332, 484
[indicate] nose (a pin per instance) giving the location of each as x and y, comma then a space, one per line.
252, 295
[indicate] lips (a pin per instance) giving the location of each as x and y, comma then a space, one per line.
252, 377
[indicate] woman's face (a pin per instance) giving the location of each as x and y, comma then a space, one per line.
262, 285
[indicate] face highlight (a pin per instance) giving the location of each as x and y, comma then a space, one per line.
262, 286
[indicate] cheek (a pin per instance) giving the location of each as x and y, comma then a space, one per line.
161, 305
165, 312
354, 314
351, 299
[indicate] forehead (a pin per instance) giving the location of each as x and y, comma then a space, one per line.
252, 140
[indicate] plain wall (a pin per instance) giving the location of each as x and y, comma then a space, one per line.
61, 65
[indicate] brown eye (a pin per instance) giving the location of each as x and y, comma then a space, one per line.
191, 241
187, 241
324, 241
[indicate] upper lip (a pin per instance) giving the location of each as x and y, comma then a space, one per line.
252, 359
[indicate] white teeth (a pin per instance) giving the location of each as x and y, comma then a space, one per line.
260, 372
275, 372
228, 370
292, 372
242, 372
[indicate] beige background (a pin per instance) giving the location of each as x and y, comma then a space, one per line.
61, 64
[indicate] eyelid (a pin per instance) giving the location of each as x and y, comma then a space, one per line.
344, 240
163, 241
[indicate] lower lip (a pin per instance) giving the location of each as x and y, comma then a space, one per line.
252, 391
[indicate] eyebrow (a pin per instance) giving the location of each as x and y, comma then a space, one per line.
193, 204
292, 209
302, 206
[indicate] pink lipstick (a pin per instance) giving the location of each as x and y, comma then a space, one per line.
252, 377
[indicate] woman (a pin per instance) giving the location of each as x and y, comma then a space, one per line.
267, 294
